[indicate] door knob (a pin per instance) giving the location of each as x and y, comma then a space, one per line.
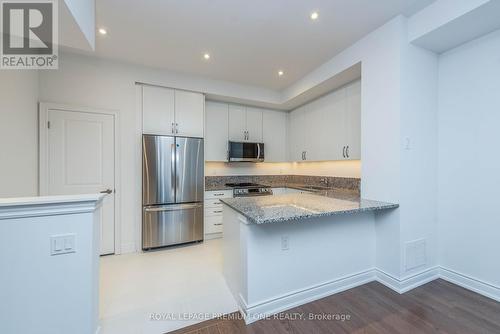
107, 191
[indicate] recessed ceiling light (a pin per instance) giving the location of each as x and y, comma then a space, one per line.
206, 56
102, 31
314, 15
280, 73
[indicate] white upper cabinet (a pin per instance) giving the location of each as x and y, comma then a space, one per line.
237, 123
328, 128
254, 125
353, 121
297, 134
189, 107
168, 111
158, 105
216, 131
245, 123
274, 135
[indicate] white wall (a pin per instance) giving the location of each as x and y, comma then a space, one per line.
419, 131
322, 168
83, 12
18, 133
469, 160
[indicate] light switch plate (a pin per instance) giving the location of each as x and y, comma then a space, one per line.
285, 243
62, 244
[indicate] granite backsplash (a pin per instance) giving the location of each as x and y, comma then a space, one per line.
219, 182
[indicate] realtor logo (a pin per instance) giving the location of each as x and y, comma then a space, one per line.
29, 34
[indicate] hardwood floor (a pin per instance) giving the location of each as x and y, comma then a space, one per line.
437, 307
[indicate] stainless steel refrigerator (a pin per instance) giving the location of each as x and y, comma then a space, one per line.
172, 195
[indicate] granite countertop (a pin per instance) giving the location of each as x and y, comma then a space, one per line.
296, 206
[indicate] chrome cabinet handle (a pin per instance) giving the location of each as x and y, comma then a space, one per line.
107, 191
305, 155
347, 151
343, 151
218, 211
176, 128
219, 224
172, 128
258, 151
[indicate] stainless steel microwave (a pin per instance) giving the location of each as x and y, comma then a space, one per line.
245, 152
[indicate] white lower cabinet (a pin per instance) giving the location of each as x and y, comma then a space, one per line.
213, 212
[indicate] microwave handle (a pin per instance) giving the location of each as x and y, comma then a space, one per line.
258, 151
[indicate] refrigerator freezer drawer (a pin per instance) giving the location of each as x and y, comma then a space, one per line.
167, 225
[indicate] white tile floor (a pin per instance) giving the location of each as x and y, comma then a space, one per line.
177, 280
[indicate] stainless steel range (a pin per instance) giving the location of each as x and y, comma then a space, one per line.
249, 189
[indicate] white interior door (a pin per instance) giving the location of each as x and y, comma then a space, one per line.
81, 160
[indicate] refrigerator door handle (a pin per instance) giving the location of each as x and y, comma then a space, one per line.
173, 172
173, 207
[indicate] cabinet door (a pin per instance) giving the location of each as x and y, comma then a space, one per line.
158, 105
334, 128
316, 142
296, 133
353, 120
254, 124
274, 124
237, 122
189, 110
216, 131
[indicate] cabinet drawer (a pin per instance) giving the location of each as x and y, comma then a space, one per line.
213, 224
213, 211
218, 194
212, 203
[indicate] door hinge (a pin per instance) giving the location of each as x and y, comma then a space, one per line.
48, 125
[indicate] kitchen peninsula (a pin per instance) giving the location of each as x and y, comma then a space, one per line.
282, 251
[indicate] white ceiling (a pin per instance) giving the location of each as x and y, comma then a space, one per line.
249, 40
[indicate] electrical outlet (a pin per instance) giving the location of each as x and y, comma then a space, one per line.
285, 244
62, 244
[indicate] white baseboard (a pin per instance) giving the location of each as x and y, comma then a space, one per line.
293, 299
470, 283
128, 247
266, 308
210, 236
402, 285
